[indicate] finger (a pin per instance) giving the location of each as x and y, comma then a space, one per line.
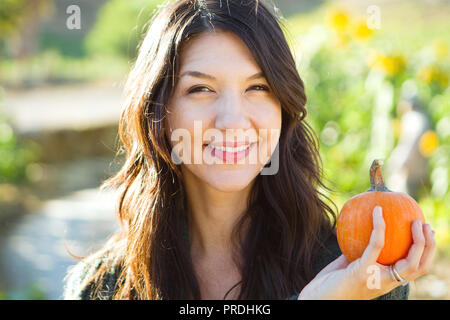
378, 280
416, 251
409, 266
339, 263
387, 283
429, 250
376, 243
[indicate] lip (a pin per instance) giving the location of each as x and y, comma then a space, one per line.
230, 157
230, 144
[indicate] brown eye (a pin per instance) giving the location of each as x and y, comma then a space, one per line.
202, 89
197, 89
261, 87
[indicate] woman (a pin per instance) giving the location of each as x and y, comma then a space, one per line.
219, 192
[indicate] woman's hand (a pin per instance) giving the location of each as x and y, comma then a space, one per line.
344, 280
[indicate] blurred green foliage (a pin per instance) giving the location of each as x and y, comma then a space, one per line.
348, 69
30, 292
119, 27
14, 156
10, 11
103, 51
15, 16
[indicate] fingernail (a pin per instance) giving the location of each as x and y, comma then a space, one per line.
378, 211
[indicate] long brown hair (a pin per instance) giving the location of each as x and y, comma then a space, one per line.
288, 218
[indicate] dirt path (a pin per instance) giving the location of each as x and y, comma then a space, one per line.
63, 107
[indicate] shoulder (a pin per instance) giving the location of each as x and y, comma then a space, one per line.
79, 284
331, 251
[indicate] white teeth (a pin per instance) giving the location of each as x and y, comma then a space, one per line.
230, 149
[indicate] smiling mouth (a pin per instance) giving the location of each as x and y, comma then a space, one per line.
230, 149
228, 153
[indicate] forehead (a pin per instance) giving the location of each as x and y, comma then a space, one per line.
215, 49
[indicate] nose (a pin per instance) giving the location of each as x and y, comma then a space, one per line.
231, 114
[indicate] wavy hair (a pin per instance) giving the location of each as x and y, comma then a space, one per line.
287, 218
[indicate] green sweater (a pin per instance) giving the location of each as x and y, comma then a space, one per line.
75, 289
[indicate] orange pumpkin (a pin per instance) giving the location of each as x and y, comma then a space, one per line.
354, 224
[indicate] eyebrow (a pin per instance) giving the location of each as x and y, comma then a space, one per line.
199, 74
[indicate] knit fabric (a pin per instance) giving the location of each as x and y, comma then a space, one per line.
76, 288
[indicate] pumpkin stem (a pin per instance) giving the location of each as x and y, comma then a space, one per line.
376, 177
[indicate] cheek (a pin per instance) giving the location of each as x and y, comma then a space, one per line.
183, 114
268, 124
267, 114
186, 125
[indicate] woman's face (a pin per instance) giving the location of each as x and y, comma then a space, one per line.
224, 122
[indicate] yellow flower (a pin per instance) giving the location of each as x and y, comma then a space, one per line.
390, 65
393, 65
361, 31
439, 48
428, 143
442, 79
338, 19
427, 74
431, 73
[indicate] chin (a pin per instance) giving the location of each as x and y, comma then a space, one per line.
229, 179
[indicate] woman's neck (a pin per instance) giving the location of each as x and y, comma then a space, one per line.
212, 217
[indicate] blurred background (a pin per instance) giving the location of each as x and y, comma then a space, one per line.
377, 80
